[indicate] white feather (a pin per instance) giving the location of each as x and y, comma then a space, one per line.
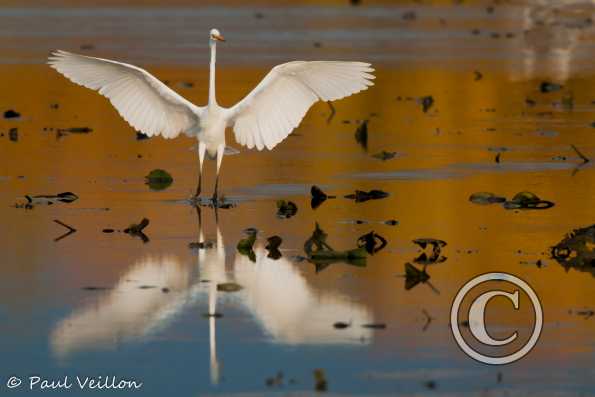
142, 100
279, 103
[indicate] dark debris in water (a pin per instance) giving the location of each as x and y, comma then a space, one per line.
273, 244
361, 135
95, 288
547, 86
584, 313
11, 114
137, 230
212, 315
485, 198
75, 130
360, 196
286, 209
576, 250
409, 16
372, 242
341, 325
321, 254
70, 229
13, 134
318, 197
523, 200
201, 245
384, 155
221, 203
430, 384
426, 103
374, 325
415, 276
66, 197
435, 255
229, 287
275, 381
320, 382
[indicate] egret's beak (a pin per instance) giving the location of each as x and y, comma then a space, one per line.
217, 37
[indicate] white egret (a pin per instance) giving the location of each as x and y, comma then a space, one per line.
264, 118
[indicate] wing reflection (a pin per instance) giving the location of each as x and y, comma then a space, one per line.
135, 307
290, 310
274, 291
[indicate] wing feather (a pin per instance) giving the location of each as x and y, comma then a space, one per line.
141, 99
278, 104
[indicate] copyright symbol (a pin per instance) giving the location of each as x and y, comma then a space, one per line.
13, 382
476, 320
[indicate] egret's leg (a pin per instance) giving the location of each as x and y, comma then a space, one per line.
220, 150
202, 148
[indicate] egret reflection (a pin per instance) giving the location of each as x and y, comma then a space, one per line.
134, 308
275, 293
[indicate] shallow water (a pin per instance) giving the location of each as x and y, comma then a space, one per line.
53, 324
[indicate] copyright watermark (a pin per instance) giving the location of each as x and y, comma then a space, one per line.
469, 318
67, 382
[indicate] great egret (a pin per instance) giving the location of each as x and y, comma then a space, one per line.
262, 119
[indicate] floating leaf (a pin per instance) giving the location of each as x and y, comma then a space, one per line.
245, 246
158, 179
527, 200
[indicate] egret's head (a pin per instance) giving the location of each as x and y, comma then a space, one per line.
215, 35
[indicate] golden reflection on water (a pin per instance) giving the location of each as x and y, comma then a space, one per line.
445, 153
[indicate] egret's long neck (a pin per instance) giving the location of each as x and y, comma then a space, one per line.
212, 99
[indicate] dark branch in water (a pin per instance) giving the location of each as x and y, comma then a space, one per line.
582, 156
137, 230
333, 111
70, 228
428, 320
70, 231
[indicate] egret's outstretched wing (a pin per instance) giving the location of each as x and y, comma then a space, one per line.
278, 104
142, 100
